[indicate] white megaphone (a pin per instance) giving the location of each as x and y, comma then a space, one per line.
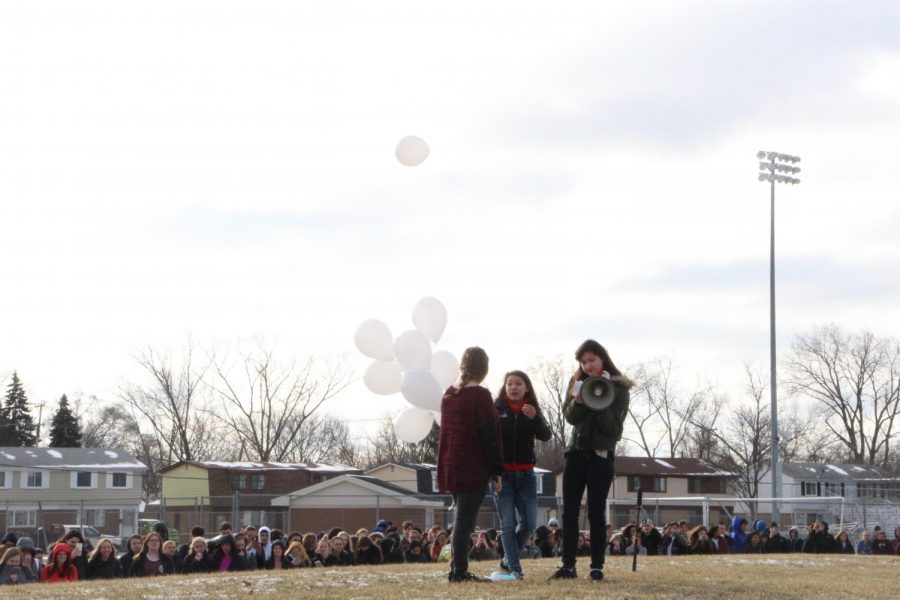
597, 393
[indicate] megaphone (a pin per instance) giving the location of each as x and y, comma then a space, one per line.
597, 393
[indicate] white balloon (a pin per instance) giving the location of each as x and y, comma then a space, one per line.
413, 424
374, 339
412, 151
413, 350
445, 368
430, 317
437, 418
422, 389
383, 377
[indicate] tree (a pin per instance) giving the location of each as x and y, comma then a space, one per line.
855, 381
551, 380
65, 429
270, 409
17, 428
386, 447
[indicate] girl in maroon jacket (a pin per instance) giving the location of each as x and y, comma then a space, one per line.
468, 453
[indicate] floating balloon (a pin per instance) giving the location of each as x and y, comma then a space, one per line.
412, 151
422, 389
430, 317
383, 377
413, 350
445, 368
413, 425
374, 339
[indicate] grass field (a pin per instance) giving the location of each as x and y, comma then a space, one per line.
717, 577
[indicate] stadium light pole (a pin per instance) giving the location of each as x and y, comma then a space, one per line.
775, 167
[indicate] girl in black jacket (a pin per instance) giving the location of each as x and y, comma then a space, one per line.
198, 559
151, 562
102, 563
132, 549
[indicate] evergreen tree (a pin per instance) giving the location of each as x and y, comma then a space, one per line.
17, 428
66, 430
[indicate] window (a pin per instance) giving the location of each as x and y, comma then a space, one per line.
35, 479
257, 481
5, 480
539, 483
83, 480
23, 518
238, 481
119, 480
95, 518
434, 485
706, 485
647, 484
809, 488
833, 489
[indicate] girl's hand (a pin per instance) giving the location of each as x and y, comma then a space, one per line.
529, 411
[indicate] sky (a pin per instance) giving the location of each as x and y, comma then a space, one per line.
225, 171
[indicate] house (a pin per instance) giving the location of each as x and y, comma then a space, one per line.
207, 493
354, 501
673, 489
51, 487
422, 479
836, 493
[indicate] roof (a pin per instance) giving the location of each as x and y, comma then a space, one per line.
385, 488
670, 467
265, 466
430, 467
835, 472
64, 458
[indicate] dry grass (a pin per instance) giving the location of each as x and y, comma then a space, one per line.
767, 576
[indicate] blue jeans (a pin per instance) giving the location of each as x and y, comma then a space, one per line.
517, 506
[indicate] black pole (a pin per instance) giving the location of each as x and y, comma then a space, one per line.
637, 529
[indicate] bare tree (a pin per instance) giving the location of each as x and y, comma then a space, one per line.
386, 447
855, 379
551, 380
661, 413
172, 406
268, 409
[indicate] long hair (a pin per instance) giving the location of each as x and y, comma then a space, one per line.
473, 366
530, 396
147, 539
95, 554
609, 366
10, 553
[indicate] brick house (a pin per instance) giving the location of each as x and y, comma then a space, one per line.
207, 493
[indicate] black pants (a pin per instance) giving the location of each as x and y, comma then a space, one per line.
596, 473
467, 506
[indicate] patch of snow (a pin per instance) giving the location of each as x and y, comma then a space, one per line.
134, 465
812, 469
31, 453
663, 463
111, 454
859, 469
8, 456
838, 470
55, 453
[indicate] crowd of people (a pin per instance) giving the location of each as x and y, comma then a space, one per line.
486, 443
73, 559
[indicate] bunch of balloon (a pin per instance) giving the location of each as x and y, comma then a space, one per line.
408, 364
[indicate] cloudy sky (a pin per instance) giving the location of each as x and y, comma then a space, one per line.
225, 170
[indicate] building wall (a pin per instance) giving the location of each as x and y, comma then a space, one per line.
277, 482
183, 484
60, 490
402, 476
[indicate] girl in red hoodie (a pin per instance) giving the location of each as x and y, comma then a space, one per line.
60, 567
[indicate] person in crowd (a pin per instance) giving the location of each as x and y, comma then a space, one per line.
382, 525
78, 549
896, 540
162, 530
11, 572
521, 423
754, 543
390, 549
245, 561
171, 550
469, 454
31, 566
60, 568
278, 559
133, 548
224, 557
530, 549
181, 555
297, 553
264, 552
8, 541
776, 543
616, 546
367, 552
39, 554
542, 541
739, 535
650, 537
842, 544
437, 545
482, 549
309, 544
416, 553
674, 540
864, 546
819, 541
881, 546
323, 556
198, 559
589, 454
102, 562
760, 526
631, 539
699, 542
339, 548
795, 542
720, 542
151, 562
583, 548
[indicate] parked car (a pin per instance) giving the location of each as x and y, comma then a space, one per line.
92, 536
145, 526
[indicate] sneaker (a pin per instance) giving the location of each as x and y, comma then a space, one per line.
503, 566
517, 574
596, 575
466, 578
565, 573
